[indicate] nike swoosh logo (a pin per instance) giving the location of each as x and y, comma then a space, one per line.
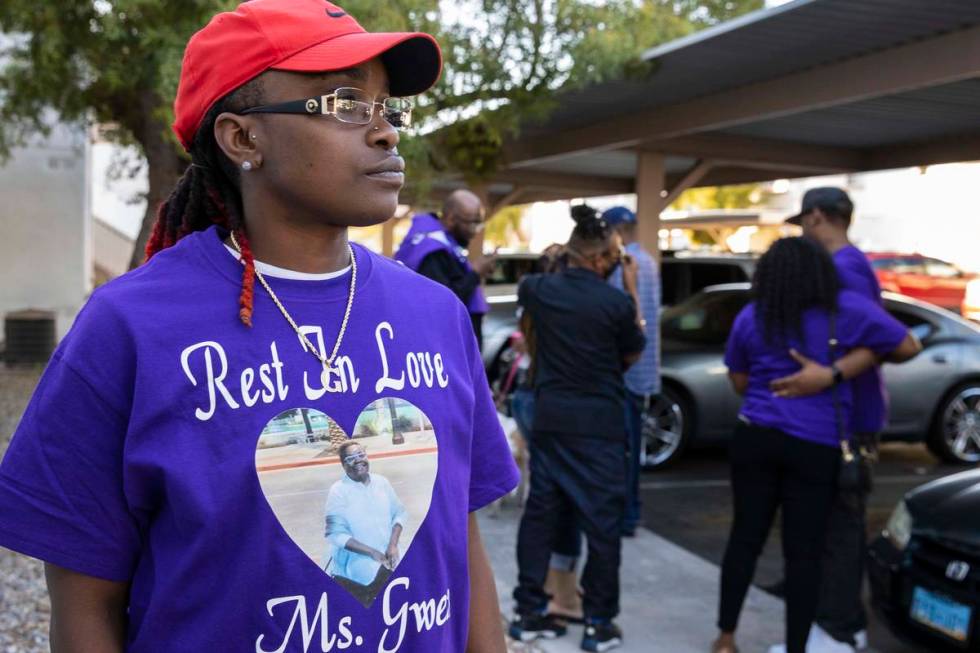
336, 14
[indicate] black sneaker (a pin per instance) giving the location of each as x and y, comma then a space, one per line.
529, 627
600, 637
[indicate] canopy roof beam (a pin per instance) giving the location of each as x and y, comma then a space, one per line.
941, 60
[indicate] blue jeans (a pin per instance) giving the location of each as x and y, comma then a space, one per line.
580, 476
568, 543
522, 410
634, 441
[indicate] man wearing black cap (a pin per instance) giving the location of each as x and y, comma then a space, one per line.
841, 620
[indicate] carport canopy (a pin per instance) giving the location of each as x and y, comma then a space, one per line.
808, 88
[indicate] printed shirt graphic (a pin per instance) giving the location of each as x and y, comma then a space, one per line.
366, 512
136, 459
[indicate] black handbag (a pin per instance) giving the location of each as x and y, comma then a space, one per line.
852, 477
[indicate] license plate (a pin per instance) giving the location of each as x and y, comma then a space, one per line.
939, 613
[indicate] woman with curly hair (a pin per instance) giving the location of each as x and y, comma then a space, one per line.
786, 450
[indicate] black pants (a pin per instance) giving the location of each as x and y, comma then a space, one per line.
580, 478
841, 611
365, 593
772, 469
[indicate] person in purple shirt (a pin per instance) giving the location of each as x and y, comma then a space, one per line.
435, 247
786, 450
825, 216
136, 472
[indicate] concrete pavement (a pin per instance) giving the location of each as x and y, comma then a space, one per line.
669, 596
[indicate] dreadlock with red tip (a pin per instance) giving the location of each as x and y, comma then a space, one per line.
209, 193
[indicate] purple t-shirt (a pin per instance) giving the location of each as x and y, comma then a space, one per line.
870, 396
860, 323
169, 446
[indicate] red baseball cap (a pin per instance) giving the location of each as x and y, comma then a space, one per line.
296, 35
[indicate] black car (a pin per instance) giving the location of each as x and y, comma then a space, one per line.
925, 567
683, 274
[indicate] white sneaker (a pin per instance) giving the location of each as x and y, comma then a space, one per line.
861, 640
819, 642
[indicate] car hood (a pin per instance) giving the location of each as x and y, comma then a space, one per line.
948, 507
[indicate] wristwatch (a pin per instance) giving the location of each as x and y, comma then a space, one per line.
838, 374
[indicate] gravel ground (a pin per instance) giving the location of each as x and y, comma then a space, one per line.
24, 607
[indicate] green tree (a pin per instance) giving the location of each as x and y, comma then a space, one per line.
711, 12
739, 196
504, 226
117, 62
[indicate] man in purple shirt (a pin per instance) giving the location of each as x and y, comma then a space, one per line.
435, 247
825, 218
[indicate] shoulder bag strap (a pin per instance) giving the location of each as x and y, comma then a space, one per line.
845, 443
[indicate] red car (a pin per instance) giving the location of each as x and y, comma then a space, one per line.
923, 278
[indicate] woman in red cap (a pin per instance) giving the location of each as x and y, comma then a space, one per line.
173, 467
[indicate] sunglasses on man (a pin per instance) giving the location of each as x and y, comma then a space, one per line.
355, 458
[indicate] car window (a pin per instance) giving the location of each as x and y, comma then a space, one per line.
941, 269
918, 325
909, 265
704, 319
715, 274
673, 280
681, 279
509, 270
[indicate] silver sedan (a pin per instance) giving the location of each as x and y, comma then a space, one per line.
935, 398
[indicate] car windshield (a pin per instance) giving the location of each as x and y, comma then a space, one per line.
509, 270
706, 318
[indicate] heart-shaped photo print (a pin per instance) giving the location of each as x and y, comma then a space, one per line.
352, 504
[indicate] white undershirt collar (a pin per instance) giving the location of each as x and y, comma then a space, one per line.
283, 273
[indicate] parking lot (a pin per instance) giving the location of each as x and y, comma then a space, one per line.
690, 505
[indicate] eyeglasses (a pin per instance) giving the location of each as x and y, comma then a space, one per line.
477, 225
476, 222
355, 458
351, 105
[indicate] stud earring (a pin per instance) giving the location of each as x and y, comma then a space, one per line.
253, 137
246, 165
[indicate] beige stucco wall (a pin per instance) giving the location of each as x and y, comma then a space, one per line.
45, 226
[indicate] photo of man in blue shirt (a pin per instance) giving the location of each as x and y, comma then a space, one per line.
364, 519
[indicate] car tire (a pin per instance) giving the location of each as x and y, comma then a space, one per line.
667, 424
955, 434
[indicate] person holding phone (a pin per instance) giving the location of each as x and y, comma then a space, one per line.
587, 334
643, 378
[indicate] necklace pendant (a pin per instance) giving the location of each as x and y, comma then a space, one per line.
325, 375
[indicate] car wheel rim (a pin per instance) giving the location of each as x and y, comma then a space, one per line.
961, 425
663, 430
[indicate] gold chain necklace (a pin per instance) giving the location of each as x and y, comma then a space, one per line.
327, 362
